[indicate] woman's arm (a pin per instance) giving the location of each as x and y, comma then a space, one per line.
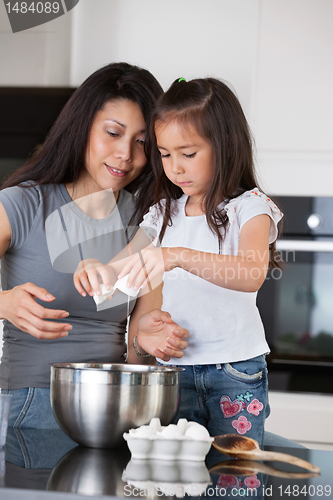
244, 272
19, 306
157, 334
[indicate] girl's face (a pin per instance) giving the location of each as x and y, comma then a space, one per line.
115, 153
187, 158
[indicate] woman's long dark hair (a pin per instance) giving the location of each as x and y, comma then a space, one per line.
214, 111
61, 157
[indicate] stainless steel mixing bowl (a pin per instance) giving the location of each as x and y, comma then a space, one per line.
95, 403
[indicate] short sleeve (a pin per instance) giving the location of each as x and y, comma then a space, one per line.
250, 204
21, 205
152, 224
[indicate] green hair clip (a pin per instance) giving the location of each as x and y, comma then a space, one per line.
181, 80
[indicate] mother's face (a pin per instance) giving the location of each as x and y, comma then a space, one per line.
115, 153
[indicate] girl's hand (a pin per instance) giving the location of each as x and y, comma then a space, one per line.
90, 273
160, 336
20, 308
150, 262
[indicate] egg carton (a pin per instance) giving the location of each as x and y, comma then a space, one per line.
186, 441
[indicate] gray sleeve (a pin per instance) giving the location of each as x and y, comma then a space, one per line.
21, 205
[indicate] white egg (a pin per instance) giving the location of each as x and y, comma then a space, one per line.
142, 432
170, 432
197, 432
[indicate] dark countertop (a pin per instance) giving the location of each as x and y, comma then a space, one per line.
39, 464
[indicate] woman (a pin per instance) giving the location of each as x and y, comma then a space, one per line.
64, 204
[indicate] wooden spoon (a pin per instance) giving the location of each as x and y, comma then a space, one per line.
247, 468
234, 445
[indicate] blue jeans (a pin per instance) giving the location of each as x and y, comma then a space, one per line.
36, 448
30, 408
227, 398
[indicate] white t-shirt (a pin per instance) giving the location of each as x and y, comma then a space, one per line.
224, 325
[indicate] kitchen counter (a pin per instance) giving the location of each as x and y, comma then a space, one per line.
39, 464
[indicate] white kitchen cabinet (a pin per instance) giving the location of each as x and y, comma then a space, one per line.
301, 417
292, 108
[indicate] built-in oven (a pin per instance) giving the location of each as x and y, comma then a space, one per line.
296, 304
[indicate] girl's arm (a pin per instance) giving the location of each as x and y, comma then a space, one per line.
90, 273
19, 306
156, 333
243, 272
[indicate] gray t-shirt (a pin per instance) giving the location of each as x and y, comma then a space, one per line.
49, 237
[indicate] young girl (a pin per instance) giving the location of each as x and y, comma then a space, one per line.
216, 232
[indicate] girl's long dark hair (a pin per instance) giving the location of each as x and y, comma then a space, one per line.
214, 111
61, 157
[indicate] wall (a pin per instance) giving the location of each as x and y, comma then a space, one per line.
39, 56
174, 38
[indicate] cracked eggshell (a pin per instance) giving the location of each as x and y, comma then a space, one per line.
155, 424
182, 424
122, 286
99, 299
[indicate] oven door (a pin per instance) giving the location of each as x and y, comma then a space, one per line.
296, 307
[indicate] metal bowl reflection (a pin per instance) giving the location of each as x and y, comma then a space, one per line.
89, 471
95, 403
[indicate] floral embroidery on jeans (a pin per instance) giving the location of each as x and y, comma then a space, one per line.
252, 482
248, 395
231, 408
255, 407
242, 425
224, 481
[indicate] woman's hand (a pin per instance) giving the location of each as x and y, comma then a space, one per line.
18, 306
150, 262
90, 273
160, 336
